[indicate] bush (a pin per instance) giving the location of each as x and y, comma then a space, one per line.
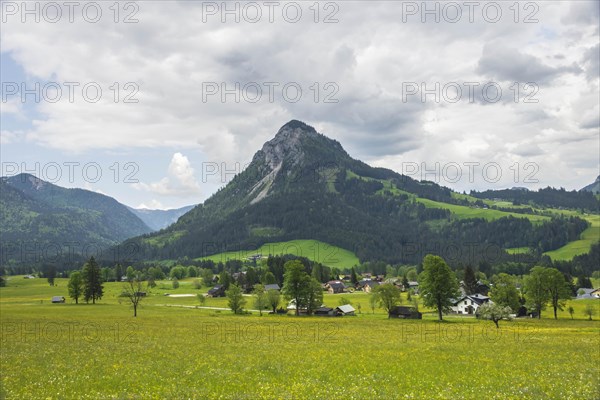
175, 283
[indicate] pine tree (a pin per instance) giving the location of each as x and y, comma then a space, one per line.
470, 281
92, 281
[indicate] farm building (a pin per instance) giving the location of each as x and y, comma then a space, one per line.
272, 286
58, 299
469, 304
405, 313
217, 291
335, 287
346, 309
367, 285
325, 311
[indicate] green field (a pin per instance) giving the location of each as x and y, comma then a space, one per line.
56, 351
315, 250
588, 237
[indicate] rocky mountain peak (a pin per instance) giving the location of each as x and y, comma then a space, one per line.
287, 144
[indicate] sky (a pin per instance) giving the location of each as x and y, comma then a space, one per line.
160, 103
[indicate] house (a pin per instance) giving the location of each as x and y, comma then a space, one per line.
335, 287
414, 285
292, 307
367, 285
58, 299
29, 277
405, 313
595, 294
585, 293
272, 286
469, 304
325, 311
346, 309
217, 291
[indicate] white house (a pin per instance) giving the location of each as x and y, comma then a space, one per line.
469, 304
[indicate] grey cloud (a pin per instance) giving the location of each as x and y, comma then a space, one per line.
506, 64
592, 62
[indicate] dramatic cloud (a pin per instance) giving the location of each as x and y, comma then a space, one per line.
219, 90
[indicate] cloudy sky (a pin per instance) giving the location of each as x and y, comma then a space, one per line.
159, 103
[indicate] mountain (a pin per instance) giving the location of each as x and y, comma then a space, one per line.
46, 220
304, 185
159, 219
592, 187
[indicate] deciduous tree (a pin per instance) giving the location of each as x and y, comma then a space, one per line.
494, 312
388, 296
235, 299
504, 291
260, 297
558, 289
134, 291
438, 285
75, 286
534, 286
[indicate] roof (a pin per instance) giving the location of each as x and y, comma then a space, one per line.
368, 282
57, 298
324, 309
346, 308
272, 286
402, 310
477, 298
336, 285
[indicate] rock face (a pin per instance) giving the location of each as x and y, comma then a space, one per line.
286, 146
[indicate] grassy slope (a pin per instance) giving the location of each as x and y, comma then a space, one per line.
100, 351
313, 249
590, 236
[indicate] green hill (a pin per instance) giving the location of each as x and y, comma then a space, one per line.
41, 222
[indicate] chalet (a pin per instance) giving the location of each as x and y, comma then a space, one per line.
58, 299
272, 286
325, 311
585, 293
217, 291
346, 309
469, 304
405, 313
367, 285
335, 287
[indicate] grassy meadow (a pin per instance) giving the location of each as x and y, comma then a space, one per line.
324, 253
174, 350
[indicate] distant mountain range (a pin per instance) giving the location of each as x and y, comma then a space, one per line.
299, 185
159, 219
39, 220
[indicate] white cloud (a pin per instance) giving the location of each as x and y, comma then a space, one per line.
368, 54
180, 180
